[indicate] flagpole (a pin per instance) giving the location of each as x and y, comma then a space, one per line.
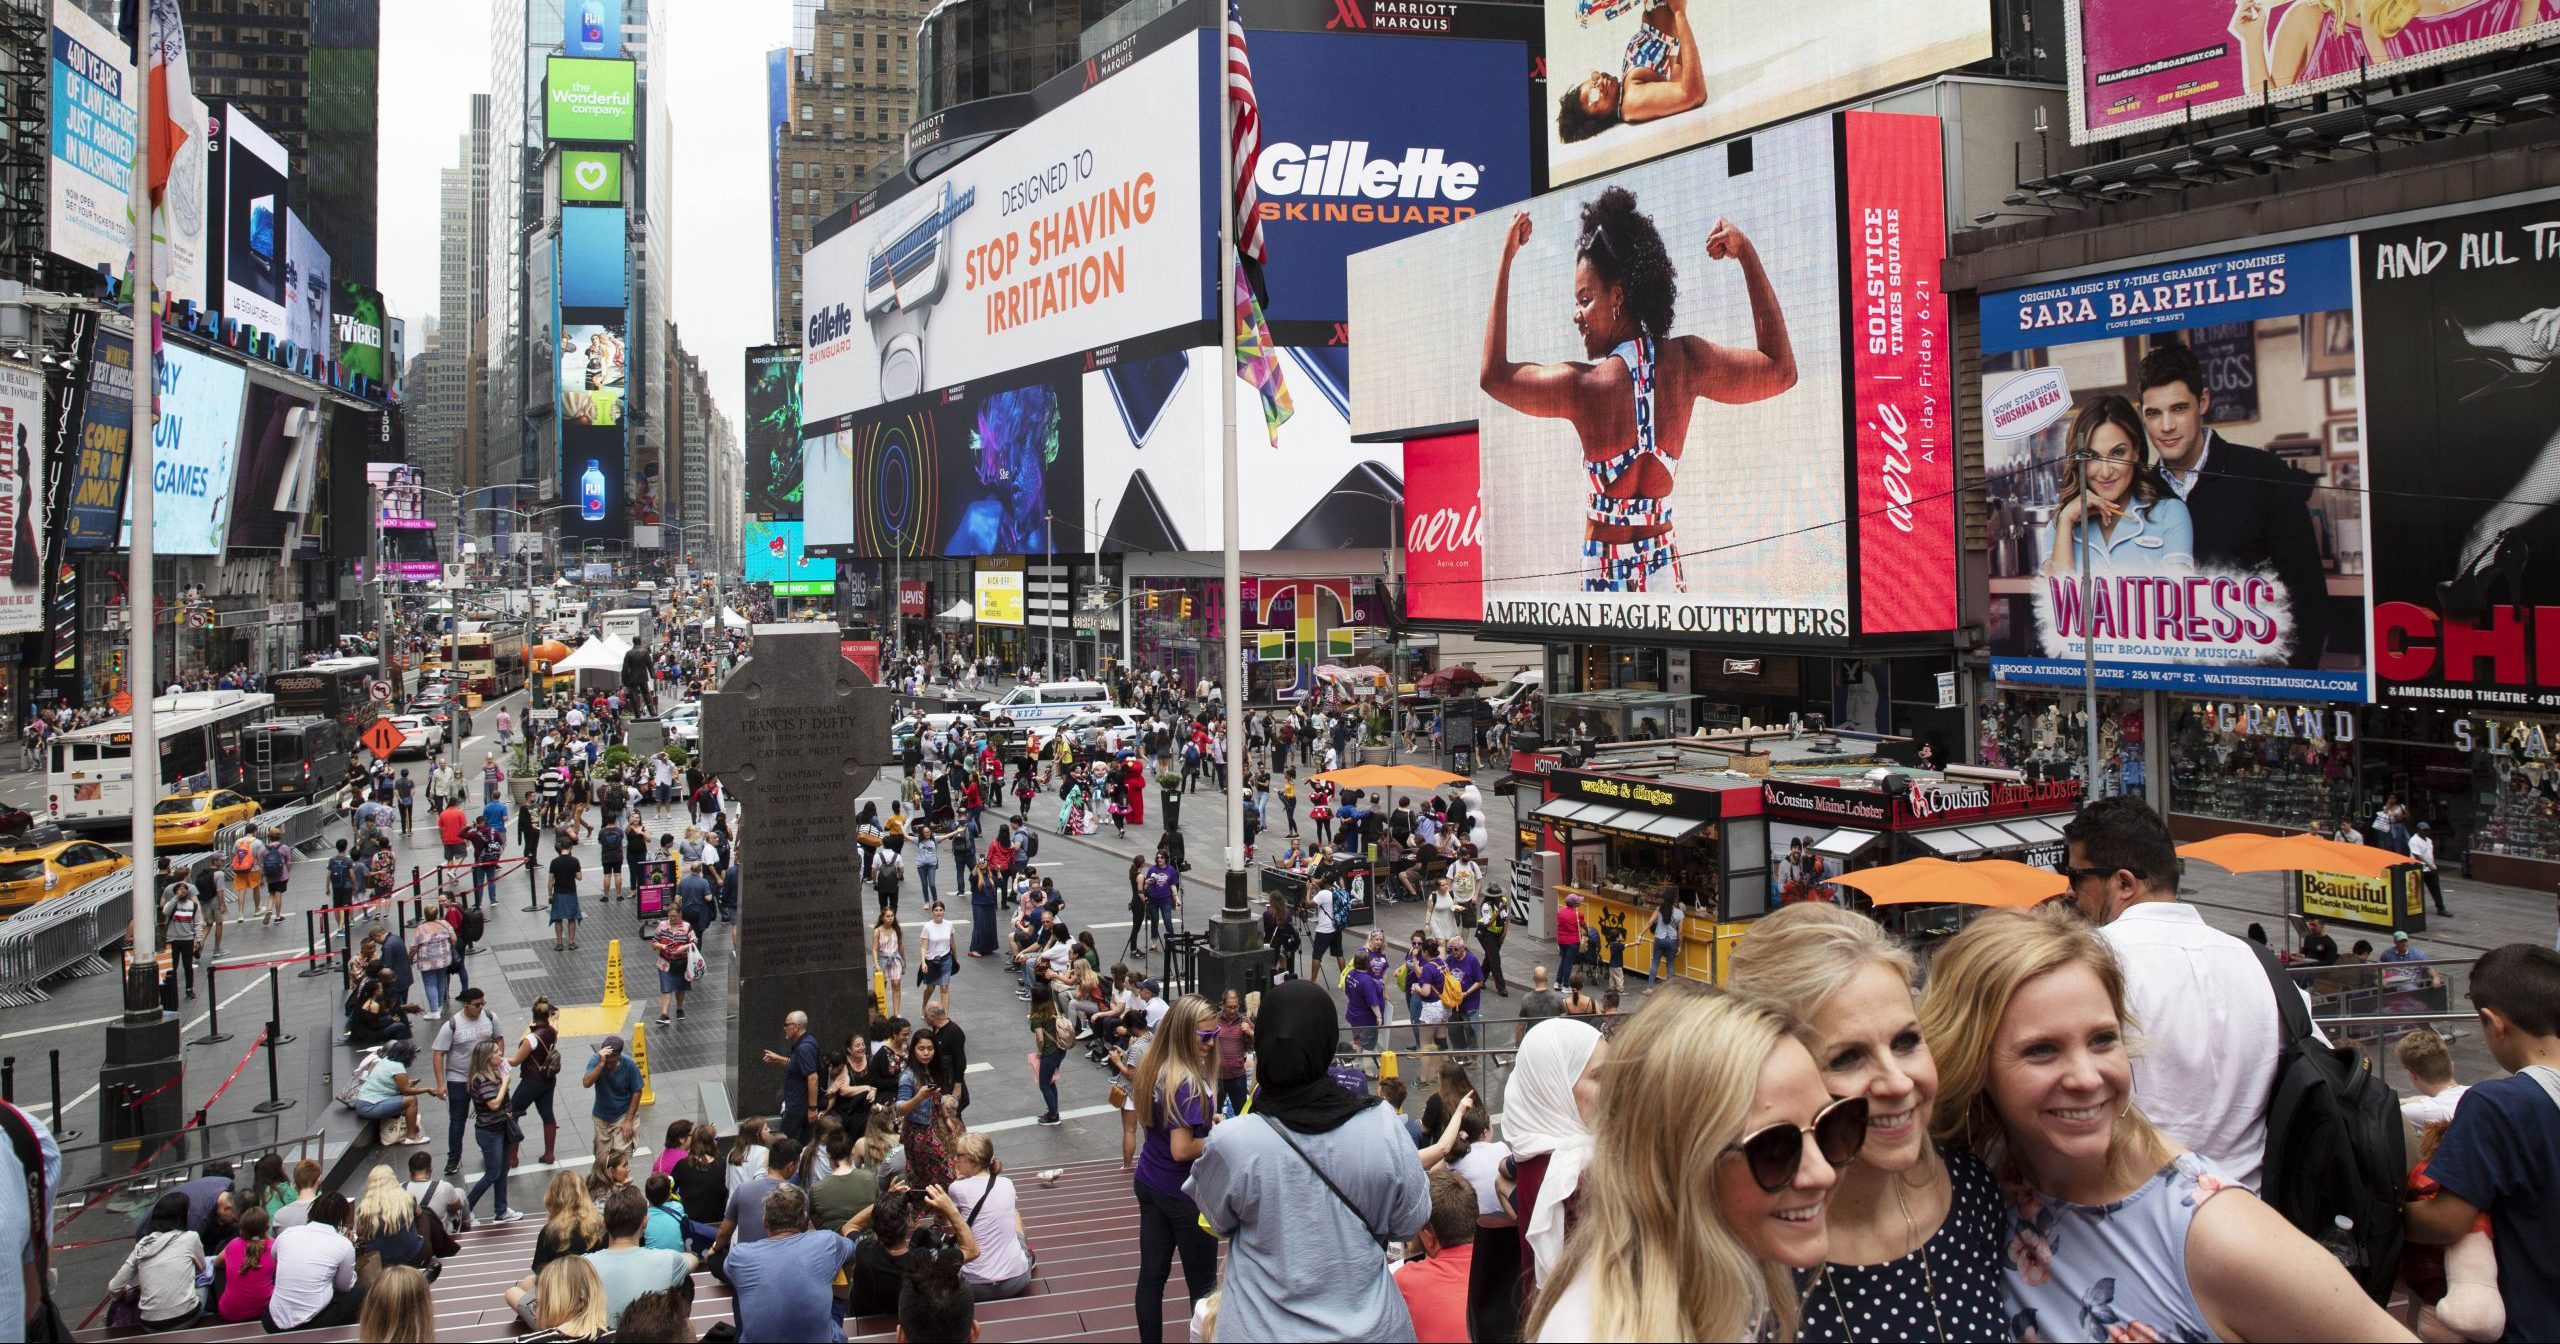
1232, 678
142, 989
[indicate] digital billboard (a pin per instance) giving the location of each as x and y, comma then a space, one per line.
2143, 67
589, 101
998, 470
106, 438
256, 177
1368, 137
595, 382
195, 447
593, 257
358, 318
308, 289
591, 28
2230, 558
88, 217
22, 476
773, 431
773, 554
268, 447
1444, 529
1069, 234
591, 176
401, 504
998, 596
594, 389
1663, 408
2463, 434
1629, 81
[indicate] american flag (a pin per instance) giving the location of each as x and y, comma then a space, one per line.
1246, 136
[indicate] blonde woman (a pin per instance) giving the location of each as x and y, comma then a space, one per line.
398, 1309
491, 1122
993, 1210
1915, 1234
2114, 1231
386, 1223
1714, 1151
571, 1227
569, 1298
1175, 1099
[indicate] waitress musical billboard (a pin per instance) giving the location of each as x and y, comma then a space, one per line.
2214, 406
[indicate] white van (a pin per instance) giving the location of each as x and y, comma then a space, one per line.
1046, 705
1521, 683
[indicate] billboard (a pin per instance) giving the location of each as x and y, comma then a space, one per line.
589, 101
88, 216
594, 401
593, 256
255, 197
1704, 381
773, 431
995, 470
1067, 235
774, 554
268, 445
998, 596
592, 176
358, 318
2143, 67
1369, 137
591, 28
2234, 563
1631, 82
106, 437
1444, 529
307, 289
22, 478
400, 503
2463, 432
195, 444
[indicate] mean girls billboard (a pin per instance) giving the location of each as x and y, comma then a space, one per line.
1670, 437
2214, 408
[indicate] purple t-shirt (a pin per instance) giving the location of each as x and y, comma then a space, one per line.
1160, 882
1156, 1164
1364, 999
1470, 972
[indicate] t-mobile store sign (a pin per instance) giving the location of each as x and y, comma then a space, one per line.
1444, 529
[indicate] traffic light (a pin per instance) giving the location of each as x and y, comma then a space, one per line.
1186, 608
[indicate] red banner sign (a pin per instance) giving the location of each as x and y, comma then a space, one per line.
1444, 529
911, 598
1896, 227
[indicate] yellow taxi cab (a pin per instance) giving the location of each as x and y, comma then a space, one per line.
29, 875
192, 818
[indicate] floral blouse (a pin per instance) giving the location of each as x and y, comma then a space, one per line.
2108, 1272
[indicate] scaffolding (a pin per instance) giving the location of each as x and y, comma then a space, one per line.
26, 67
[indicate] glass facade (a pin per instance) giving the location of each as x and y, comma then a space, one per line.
2044, 733
2286, 766
972, 49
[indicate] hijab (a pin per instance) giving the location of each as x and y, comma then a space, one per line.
1540, 1117
1293, 1038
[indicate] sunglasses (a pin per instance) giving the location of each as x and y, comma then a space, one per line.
2071, 874
1776, 1153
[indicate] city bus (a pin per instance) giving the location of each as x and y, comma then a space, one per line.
332, 688
89, 771
493, 659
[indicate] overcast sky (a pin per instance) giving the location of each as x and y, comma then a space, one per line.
435, 56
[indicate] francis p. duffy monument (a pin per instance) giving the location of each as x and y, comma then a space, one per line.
797, 733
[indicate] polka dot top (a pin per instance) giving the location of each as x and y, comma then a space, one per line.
1891, 1301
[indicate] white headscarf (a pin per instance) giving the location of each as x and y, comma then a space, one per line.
1539, 1116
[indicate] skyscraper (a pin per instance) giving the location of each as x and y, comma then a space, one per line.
308, 72
852, 93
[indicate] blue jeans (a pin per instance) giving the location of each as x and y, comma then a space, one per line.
493, 1168
1565, 953
924, 874
1413, 1017
1031, 963
484, 882
1666, 959
1049, 1062
1160, 920
433, 983
457, 1106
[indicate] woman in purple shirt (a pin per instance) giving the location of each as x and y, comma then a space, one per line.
1176, 1097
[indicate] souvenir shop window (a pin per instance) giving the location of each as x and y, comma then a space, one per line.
2045, 734
2523, 815
2243, 763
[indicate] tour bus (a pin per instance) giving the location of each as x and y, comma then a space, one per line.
89, 771
339, 689
493, 658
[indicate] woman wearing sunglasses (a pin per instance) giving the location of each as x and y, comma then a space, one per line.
2114, 1231
1176, 1100
1713, 1154
1915, 1234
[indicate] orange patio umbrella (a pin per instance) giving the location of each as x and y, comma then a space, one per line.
2003, 883
1389, 777
2296, 853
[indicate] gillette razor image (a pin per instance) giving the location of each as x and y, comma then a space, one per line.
906, 276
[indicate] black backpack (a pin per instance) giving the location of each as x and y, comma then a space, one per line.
2334, 1143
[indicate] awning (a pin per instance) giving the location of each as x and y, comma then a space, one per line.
960, 611
2035, 830
1633, 823
1951, 843
1993, 838
1846, 843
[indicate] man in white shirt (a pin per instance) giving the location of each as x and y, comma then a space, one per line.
315, 1271
2210, 1032
2429, 1064
2422, 851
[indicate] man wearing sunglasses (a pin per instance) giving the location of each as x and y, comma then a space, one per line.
2210, 1029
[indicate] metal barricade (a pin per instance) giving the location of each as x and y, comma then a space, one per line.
62, 937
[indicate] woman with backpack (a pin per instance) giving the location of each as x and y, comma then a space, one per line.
537, 1065
675, 943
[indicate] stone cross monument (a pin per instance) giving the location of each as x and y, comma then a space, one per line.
797, 732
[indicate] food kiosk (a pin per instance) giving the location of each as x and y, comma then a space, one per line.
1822, 826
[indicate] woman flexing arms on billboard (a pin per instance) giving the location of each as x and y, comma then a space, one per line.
1630, 402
